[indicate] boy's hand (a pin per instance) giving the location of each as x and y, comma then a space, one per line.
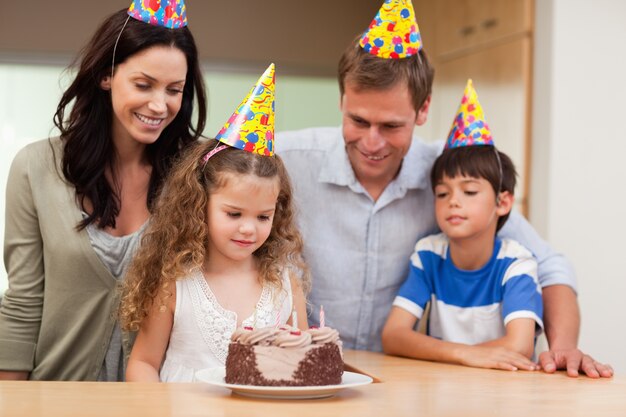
574, 361
495, 358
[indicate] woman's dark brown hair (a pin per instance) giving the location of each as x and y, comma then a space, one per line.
86, 133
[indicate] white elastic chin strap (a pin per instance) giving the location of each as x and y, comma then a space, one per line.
500, 176
115, 47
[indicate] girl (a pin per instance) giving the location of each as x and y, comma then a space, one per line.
76, 204
222, 251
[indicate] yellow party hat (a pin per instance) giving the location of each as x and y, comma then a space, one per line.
469, 126
251, 126
394, 32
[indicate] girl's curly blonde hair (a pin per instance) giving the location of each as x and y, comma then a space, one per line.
176, 239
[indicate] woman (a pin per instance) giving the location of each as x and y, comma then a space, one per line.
77, 204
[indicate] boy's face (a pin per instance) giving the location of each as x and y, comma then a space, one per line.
377, 129
466, 207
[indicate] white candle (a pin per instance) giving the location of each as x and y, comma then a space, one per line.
294, 320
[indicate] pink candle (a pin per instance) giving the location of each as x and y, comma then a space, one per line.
277, 319
322, 318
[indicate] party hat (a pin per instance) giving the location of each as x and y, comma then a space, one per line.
394, 32
171, 14
469, 126
251, 126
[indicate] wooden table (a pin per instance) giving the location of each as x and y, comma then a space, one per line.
409, 388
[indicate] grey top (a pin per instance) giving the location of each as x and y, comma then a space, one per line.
116, 254
359, 249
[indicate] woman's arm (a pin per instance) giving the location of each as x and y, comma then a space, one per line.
17, 376
149, 349
400, 339
22, 304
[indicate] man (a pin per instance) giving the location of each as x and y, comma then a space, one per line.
364, 196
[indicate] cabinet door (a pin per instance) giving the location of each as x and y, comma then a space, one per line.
500, 19
466, 24
501, 76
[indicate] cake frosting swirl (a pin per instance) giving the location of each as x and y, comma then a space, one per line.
284, 356
321, 335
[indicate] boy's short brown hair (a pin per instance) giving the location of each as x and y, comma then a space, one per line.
478, 161
366, 71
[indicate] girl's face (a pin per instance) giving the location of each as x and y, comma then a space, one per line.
240, 216
146, 94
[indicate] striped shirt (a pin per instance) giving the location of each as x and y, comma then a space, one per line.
471, 306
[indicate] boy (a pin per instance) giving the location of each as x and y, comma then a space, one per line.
486, 306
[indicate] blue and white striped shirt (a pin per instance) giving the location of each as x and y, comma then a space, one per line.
471, 306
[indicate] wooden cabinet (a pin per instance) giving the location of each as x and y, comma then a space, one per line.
491, 42
467, 24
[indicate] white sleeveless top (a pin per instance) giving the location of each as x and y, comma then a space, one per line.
202, 327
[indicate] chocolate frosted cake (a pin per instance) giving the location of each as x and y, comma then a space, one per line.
284, 357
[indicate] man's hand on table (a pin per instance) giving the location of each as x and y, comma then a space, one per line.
574, 361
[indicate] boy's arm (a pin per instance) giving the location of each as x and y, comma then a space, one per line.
522, 304
520, 337
151, 342
399, 339
553, 270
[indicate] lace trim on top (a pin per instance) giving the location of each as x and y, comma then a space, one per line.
217, 324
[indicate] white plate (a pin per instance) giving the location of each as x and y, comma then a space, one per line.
215, 376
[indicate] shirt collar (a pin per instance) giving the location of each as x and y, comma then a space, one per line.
336, 168
414, 172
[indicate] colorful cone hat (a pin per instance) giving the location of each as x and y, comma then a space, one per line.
251, 126
171, 14
394, 32
469, 126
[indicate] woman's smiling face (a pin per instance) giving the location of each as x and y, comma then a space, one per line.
146, 93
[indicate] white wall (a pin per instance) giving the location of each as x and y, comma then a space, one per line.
579, 144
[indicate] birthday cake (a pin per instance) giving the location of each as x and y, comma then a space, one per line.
284, 356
